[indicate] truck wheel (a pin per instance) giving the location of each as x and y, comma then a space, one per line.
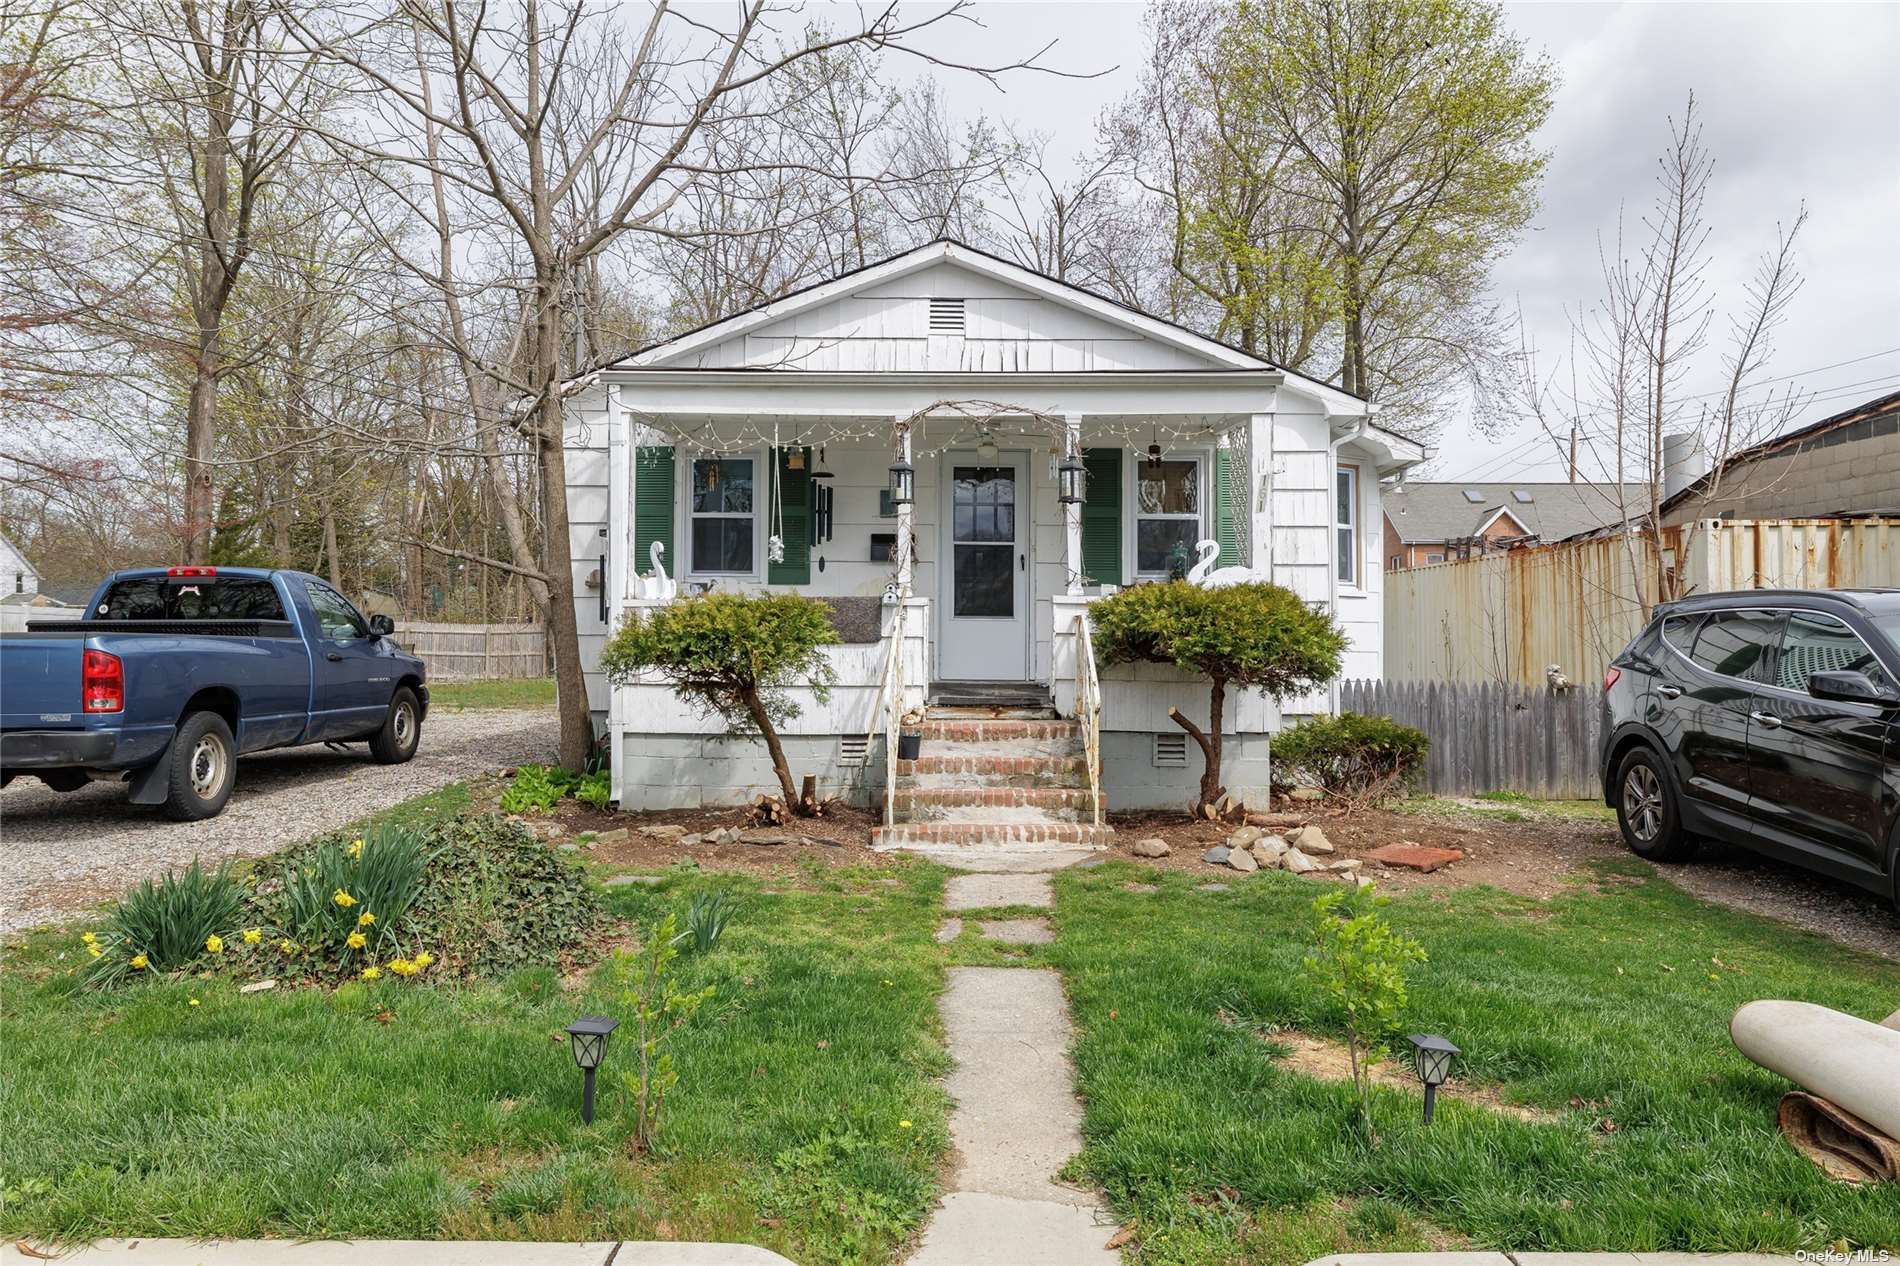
396, 742
203, 768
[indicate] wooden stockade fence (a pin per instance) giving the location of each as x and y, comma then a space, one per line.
478, 650
1495, 736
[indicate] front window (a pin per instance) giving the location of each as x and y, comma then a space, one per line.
720, 508
1167, 515
1346, 522
335, 616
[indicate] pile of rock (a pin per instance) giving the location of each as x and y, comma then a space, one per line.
1300, 851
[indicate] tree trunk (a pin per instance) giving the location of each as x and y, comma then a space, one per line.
756, 708
201, 427
329, 548
1209, 742
577, 721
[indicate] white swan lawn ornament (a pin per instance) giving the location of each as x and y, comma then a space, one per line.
1204, 574
657, 586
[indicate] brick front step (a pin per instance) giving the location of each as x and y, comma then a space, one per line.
921, 801
1002, 731
993, 771
997, 834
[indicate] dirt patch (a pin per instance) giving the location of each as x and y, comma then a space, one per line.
1532, 857
1327, 1060
841, 838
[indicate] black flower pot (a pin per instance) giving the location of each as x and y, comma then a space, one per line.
909, 743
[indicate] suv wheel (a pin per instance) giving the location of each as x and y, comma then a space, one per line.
203, 768
396, 742
1646, 809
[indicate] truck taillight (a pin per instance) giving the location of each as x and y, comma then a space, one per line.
191, 571
103, 683
1610, 675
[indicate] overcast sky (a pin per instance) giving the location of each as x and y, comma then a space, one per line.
1799, 102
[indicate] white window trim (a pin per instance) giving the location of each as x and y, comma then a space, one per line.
1356, 582
761, 496
1136, 458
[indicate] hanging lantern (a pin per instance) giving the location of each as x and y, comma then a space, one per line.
903, 482
1071, 481
986, 449
1154, 450
794, 458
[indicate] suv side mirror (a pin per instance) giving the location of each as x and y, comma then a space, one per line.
381, 626
1848, 686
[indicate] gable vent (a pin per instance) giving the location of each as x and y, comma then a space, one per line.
1170, 751
946, 316
854, 748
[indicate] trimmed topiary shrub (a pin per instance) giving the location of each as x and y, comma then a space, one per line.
1255, 635
1363, 759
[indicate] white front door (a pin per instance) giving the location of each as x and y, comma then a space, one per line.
983, 628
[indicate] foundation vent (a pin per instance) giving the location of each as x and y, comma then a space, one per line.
1170, 751
854, 749
946, 316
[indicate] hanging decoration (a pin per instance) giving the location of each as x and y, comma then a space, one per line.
775, 543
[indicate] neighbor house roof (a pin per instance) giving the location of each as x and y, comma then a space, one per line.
1429, 513
1879, 416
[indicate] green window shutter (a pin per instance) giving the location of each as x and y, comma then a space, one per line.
1102, 516
1226, 521
653, 508
795, 509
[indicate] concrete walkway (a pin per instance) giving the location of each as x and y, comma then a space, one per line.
397, 1253
1016, 1121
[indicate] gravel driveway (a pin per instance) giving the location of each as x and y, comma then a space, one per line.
63, 853
1730, 875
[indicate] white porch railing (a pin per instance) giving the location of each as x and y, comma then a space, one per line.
1088, 710
891, 699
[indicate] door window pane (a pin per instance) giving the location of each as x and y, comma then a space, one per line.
336, 617
1819, 644
985, 581
1734, 643
984, 503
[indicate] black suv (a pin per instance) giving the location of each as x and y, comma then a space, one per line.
1769, 718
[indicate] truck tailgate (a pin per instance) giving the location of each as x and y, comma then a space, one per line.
39, 681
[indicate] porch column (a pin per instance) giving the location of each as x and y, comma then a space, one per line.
1072, 515
906, 513
1260, 492
619, 505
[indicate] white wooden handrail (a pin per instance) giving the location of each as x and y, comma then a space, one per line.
1088, 710
891, 696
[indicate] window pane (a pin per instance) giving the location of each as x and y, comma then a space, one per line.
1680, 630
1344, 491
1346, 572
1816, 644
1173, 488
335, 617
985, 503
1733, 642
722, 485
1156, 541
985, 580
722, 545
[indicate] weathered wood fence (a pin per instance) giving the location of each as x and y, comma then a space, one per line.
1495, 736
478, 650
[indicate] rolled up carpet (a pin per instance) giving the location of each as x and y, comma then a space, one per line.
1842, 1144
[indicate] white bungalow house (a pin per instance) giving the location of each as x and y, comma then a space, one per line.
758, 452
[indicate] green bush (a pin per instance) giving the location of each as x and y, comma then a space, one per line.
736, 657
595, 789
1359, 963
347, 901
1257, 636
538, 788
165, 924
1350, 756
495, 898
706, 920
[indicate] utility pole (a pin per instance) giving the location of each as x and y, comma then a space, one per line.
1573, 452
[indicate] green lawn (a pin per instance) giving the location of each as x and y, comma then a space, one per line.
506, 692
1616, 996
405, 1110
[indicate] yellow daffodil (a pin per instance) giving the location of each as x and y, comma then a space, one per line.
215, 944
194, 1002
402, 967
356, 940
343, 899
364, 919
140, 962
372, 972
89, 937
253, 935
424, 958
94, 950
356, 848
903, 1125
287, 945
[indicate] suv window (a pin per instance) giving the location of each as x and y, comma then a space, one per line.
1735, 643
1816, 643
335, 616
1680, 630
196, 598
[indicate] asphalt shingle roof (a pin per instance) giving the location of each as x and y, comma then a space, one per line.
1427, 513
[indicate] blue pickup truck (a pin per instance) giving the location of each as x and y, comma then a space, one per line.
175, 672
